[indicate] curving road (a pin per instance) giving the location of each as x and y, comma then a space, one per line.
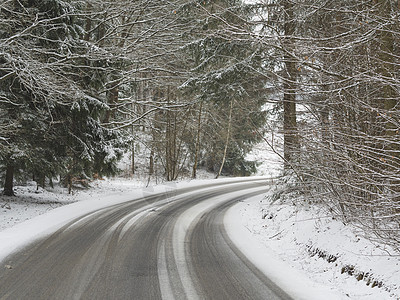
165, 246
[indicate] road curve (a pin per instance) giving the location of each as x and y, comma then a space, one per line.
166, 246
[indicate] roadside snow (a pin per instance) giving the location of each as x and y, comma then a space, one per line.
305, 240
271, 262
31, 202
326, 250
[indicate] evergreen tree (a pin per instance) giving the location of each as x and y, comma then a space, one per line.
54, 116
225, 80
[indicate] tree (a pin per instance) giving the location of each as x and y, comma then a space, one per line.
42, 56
347, 92
224, 80
291, 142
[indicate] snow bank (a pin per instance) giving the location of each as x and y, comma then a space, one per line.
328, 253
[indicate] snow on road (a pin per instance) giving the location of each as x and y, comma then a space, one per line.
285, 236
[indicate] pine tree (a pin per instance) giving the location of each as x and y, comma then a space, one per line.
56, 116
226, 83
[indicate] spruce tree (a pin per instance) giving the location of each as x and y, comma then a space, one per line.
225, 79
54, 113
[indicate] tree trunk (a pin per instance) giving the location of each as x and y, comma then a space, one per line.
151, 166
69, 183
9, 182
133, 158
41, 182
88, 24
227, 139
387, 70
196, 153
171, 146
168, 157
112, 96
291, 142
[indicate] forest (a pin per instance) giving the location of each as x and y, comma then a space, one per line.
198, 83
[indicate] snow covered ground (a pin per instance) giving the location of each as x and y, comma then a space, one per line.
323, 250
310, 254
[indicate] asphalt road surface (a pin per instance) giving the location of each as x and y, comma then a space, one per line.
166, 246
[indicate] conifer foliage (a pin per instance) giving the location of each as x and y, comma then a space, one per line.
50, 120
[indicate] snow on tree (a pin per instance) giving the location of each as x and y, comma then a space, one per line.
53, 118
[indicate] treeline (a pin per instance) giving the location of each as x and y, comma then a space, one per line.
336, 77
82, 82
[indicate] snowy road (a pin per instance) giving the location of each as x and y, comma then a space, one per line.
167, 246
